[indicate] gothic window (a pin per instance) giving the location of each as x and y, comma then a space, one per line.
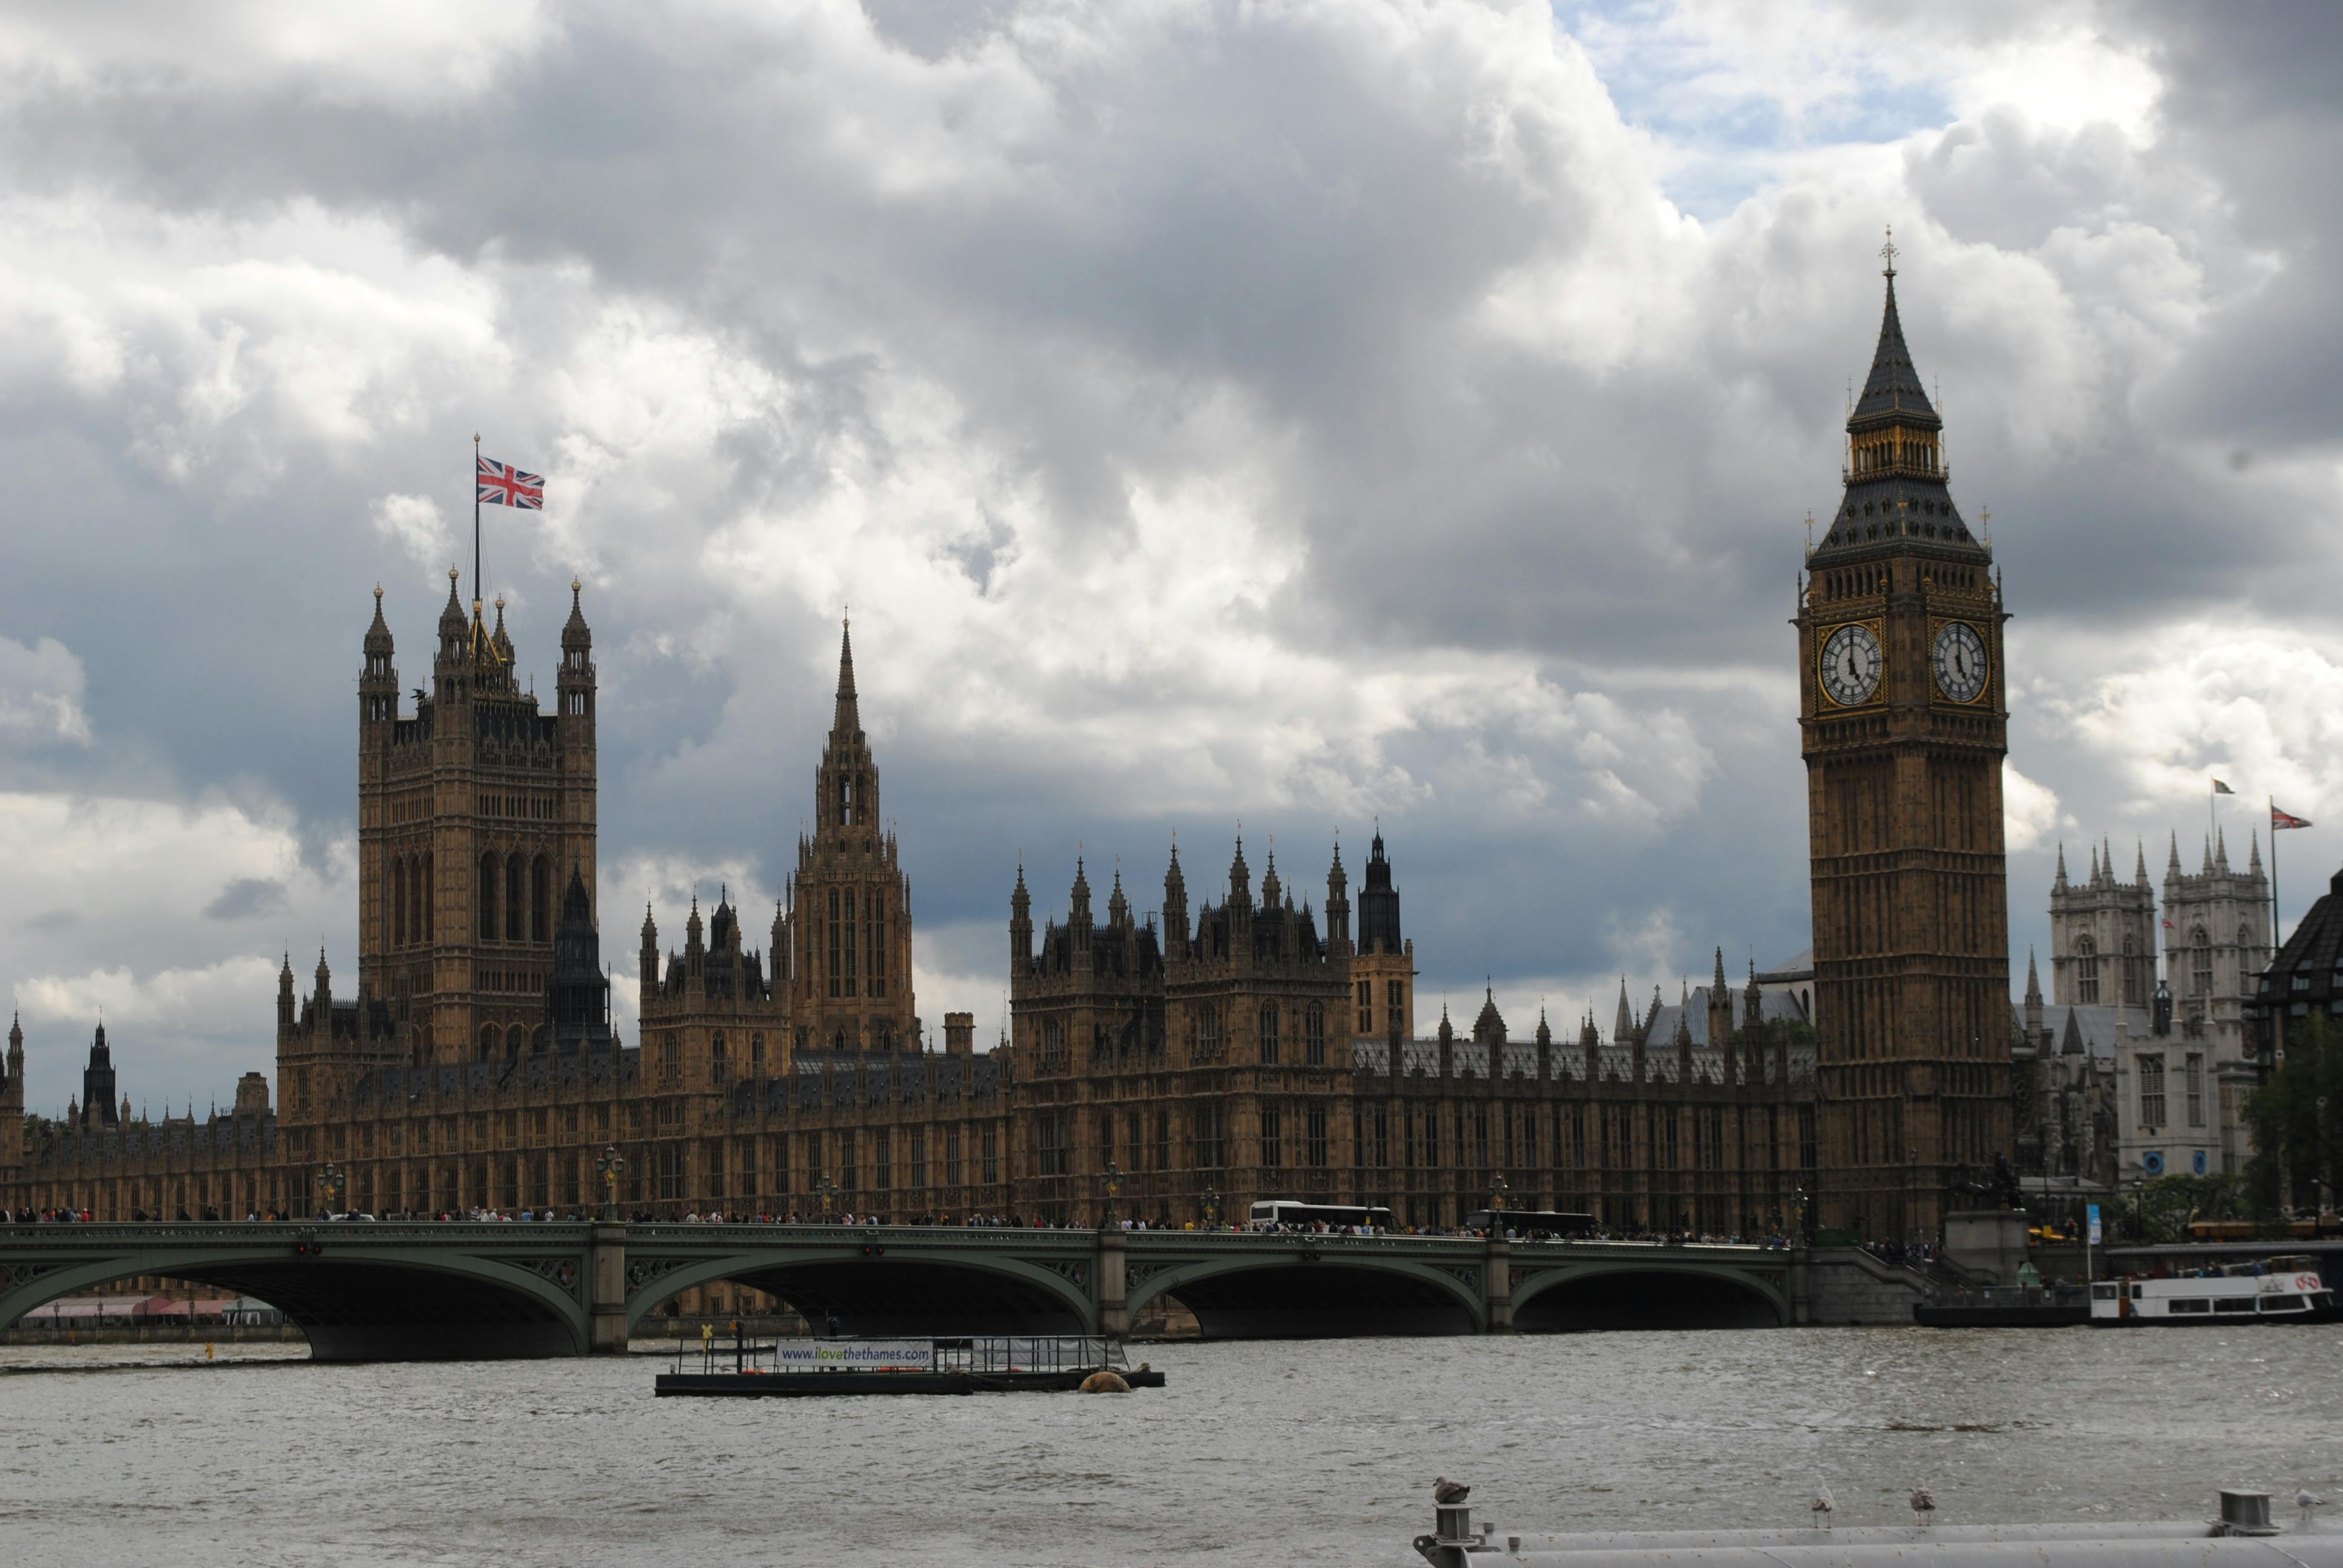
951, 1155
1480, 1136
989, 1157
2132, 994
1164, 1140
516, 1042
2087, 971
2193, 1081
756, 1056
877, 945
918, 1157
717, 1068
538, 878
833, 928
488, 898
1054, 1043
399, 903
1269, 1034
1313, 1135
882, 1159
1273, 1137
845, 1164
515, 898
487, 1041
1208, 1033
537, 1040
847, 943
2151, 1091
671, 1056
2200, 962
1394, 1006
1106, 1138
1432, 1136
1382, 1138
1313, 1036
1050, 1129
1367, 1007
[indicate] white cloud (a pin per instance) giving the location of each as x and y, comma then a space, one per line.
2259, 707
41, 690
416, 524
128, 882
2028, 810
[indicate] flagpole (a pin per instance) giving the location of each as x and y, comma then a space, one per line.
2273, 932
476, 520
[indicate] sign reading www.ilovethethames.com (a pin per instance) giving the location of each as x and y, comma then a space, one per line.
855, 1355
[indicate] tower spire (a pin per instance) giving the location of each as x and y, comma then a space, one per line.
847, 720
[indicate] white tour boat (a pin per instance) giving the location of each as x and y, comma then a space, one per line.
2275, 1291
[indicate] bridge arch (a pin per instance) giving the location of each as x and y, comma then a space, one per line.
354, 1304
889, 1291
1340, 1297
1634, 1294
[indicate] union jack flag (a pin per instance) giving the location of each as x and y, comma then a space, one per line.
2280, 820
502, 485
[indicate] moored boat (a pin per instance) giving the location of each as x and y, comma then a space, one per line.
1001, 1364
2287, 1290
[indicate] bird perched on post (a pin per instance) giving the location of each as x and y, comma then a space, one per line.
1924, 1503
1823, 1503
1451, 1492
2306, 1501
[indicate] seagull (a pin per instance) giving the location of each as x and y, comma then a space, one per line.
1924, 1503
2306, 1501
1823, 1503
1445, 1490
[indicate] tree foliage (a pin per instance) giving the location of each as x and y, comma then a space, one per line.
2297, 1120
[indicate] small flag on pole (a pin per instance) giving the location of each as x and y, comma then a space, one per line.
2221, 789
2281, 821
502, 485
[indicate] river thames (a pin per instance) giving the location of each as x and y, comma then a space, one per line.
1323, 1451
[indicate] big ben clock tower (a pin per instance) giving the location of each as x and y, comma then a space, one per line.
1905, 723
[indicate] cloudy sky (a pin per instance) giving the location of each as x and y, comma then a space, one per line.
1284, 414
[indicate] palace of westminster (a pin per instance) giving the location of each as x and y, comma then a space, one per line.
1241, 1045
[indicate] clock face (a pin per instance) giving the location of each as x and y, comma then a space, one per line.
1959, 660
1850, 665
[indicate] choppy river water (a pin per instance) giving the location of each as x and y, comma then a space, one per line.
1319, 1453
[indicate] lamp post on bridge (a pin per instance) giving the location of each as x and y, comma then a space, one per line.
609, 1167
1498, 1188
828, 1189
1212, 1208
330, 1184
1113, 1190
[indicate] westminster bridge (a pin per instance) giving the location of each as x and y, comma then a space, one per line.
465, 1291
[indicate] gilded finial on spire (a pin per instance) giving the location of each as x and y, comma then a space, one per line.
1888, 252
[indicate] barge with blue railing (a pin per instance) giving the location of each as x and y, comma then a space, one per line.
979, 1364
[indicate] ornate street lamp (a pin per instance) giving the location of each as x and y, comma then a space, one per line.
609, 1167
329, 1189
1211, 1207
829, 1190
1498, 1188
1113, 1190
